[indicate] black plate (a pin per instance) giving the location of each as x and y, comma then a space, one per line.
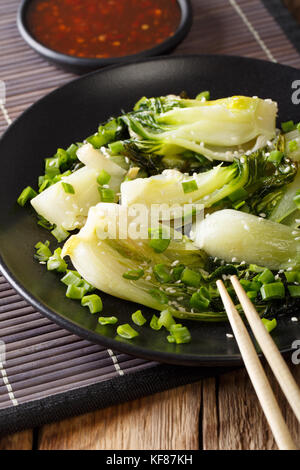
70, 114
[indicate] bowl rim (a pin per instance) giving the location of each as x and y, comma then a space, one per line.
93, 63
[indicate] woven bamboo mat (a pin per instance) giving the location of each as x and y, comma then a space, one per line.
42, 359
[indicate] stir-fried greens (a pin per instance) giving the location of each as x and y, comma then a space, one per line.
224, 159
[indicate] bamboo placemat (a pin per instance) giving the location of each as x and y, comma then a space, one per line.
50, 373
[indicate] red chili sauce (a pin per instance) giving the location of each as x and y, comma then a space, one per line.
102, 28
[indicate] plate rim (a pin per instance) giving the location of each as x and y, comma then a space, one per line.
127, 348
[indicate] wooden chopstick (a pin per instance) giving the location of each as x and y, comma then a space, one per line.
257, 374
270, 350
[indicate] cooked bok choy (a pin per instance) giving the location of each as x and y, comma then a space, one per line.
69, 209
239, 237
131, 269
249, 179
218, 130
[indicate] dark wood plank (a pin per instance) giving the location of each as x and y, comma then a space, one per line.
233, 418
19, 441
165, 421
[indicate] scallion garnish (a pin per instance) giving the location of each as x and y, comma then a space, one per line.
190, 278
56, 263
180, 333
68, 188
166, 319
126, 331
189, 186
43, 251
271, 291
269, 324
103, 177
107, 320
60, 234
293, 145
133, 274
71, 278
26, 195
162, 273
266, 277
275, 156
294, 291
203, 96
138, 318
93, 302
75, 292
106, 194
287, 126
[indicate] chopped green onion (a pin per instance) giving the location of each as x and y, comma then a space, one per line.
126, 331
103, 178
93, 302
294, 291
190, 278
272, 291
252, 294
52, 166
166, 319
96, 140
238, 205
44, 183
266, 277
162, 273
159, 241
246, 284
60, 234
293, 145
275, 156
200, 300
26, 195
71, 278
189, 186
74, 292
138, 318
287, 126
68, 188
180, 333
255, 285
72, 151
134, 274
256, 269
107, 320
238, 194
116, 147
154, 323
43, 252
44, 223
86, 286
177, 271
292, 276
56, 263
269, 324
171, 339
106, 194
202, 95
159, 246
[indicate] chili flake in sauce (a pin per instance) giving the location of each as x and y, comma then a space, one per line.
102, 28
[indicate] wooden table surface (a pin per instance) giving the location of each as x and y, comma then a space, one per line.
216, 413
